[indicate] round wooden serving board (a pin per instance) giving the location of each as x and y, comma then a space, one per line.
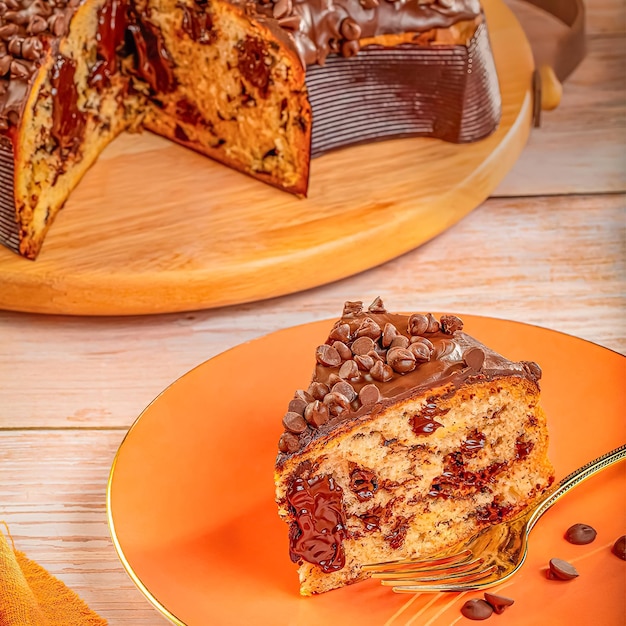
154, 227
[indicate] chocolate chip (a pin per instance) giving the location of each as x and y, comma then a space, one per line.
304, 395
474, 358
19, 69
619, 548
316, 414
400, 342
288, 442
350, 29
5, 64
363, 345
294, 422
297, 405
345, 389
426, 342
420, 351
433, 324
349, 371
451, 323
352, 309
57, 24
36, 25
318, 390
580, 534
562, 570
290, 22
498, 603
532, 369
381, 372
417, 324
8, 30
350, 49
344, 352
282, 8
364, 362
337, 403
373, 354
15, 46
369, 328
41, 7
327, 355
333, 379
369, 394
31, 48
476, 610
390, 332
401, 360
341, 332
377, 306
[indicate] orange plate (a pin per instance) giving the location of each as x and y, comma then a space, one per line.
191, 495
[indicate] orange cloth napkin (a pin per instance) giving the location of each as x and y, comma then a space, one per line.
31, 596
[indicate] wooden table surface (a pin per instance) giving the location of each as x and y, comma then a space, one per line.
547, 248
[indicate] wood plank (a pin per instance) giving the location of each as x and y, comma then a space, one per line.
606, 17
581, 145
556, 262
603, 17
52, 497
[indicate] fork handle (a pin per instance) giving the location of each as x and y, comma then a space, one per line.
574, 479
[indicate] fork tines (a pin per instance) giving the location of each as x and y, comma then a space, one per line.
426, 564
436, 574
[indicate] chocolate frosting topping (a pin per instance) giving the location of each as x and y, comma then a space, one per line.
393, 357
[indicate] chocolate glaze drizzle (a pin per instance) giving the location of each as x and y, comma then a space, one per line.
319, 529
68, 122
110, 37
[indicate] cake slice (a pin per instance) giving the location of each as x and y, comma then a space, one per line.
411, 436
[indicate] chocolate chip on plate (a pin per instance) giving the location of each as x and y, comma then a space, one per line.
619, 548
476, 610
498, 603
562, 570
580, 534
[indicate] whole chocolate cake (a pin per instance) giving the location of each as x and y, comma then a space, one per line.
261, 86
411, 436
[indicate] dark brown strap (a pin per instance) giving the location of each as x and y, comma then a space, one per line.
561, 47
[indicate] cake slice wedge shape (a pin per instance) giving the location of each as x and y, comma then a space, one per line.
412, 435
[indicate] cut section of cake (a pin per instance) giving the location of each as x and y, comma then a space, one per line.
411, 436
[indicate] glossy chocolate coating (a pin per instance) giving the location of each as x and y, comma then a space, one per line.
68, 122
326, 25
319, 528
447, 366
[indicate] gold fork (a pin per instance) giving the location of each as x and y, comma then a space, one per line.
491, 555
